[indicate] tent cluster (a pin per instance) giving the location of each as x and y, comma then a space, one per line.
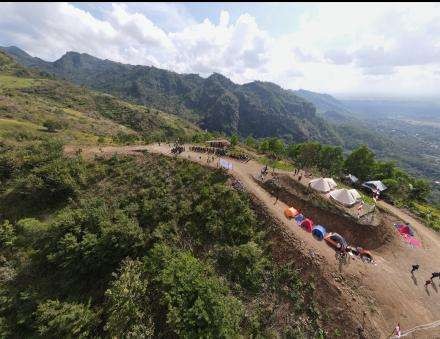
346, 197
319, 232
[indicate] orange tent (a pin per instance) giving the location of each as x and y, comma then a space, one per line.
290, 212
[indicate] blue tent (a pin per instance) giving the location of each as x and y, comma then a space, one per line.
299, 218
319, 232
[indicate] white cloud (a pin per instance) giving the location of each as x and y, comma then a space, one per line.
335, 48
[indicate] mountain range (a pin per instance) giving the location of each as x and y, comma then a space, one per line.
261, 109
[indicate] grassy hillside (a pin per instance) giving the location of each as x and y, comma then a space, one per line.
29, 98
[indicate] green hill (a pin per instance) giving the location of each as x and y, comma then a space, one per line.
30, 99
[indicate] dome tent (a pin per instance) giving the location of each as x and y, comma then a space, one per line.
346, 197
322, 184
307, 224
290, 212
299, 218
335, 240
319, 232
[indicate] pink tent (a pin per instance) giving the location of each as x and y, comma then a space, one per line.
411, 240
405, 229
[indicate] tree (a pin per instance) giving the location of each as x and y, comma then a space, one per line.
52, 125
250, 142
393, 187
264, 145
234, 139
7, 235
245, 264
308, 154
86, 243
331, 159
360, 162
276, 146
384, 170
420, 190
55, 319
128, 306
198, 303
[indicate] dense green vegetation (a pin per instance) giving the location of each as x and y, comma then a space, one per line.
33, 103
126, 247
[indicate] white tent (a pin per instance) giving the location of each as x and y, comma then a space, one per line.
322, 184
355, 194
346, 197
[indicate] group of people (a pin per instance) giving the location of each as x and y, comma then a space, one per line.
430, 280
210, 150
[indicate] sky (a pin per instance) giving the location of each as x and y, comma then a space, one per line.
358, 50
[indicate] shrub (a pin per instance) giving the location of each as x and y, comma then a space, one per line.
128, 305
55, 319
52, 125
197, 303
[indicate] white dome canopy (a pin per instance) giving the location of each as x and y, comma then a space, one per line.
346, 197
323, 184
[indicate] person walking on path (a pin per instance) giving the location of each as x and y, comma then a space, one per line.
414, 268
300, 177
428, 282
397, 331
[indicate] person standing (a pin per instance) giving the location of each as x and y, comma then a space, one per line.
360, 208
435, 275
397, 331
414, 268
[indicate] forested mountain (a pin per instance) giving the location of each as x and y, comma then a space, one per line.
30, 99
259, 108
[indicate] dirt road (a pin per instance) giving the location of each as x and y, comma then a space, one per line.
387, 290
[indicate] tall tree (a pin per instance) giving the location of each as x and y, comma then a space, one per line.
360, 162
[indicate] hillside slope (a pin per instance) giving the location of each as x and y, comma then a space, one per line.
259, 108
29, 98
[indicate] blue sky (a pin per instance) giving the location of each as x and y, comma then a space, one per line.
365, 49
